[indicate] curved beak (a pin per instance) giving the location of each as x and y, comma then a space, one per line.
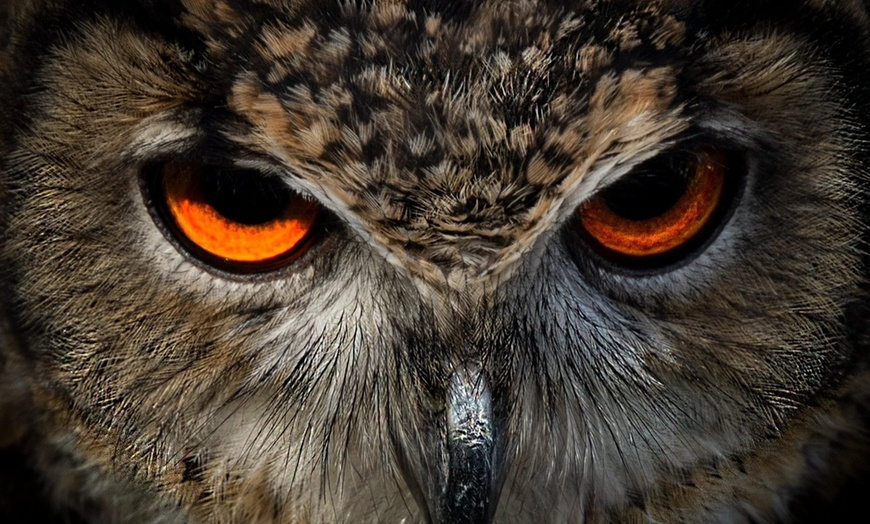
472, 454
454, 461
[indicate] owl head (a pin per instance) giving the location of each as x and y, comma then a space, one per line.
445, 261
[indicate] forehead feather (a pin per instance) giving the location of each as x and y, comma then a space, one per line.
453, 134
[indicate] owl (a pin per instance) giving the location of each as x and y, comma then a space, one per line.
444, 261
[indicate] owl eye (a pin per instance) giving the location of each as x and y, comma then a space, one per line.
236, 219
662, 211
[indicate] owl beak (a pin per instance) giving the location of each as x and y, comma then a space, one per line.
472, 454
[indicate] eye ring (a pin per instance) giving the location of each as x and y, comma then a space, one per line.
663, 212
231, 219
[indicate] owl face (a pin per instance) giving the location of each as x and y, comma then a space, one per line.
324, 261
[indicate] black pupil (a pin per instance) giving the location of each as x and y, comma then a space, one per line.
651, 191
243, 196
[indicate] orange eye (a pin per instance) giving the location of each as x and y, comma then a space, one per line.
659, 210
237, 216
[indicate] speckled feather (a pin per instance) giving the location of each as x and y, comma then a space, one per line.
454, 132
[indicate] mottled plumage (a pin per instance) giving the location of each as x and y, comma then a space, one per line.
450, 345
